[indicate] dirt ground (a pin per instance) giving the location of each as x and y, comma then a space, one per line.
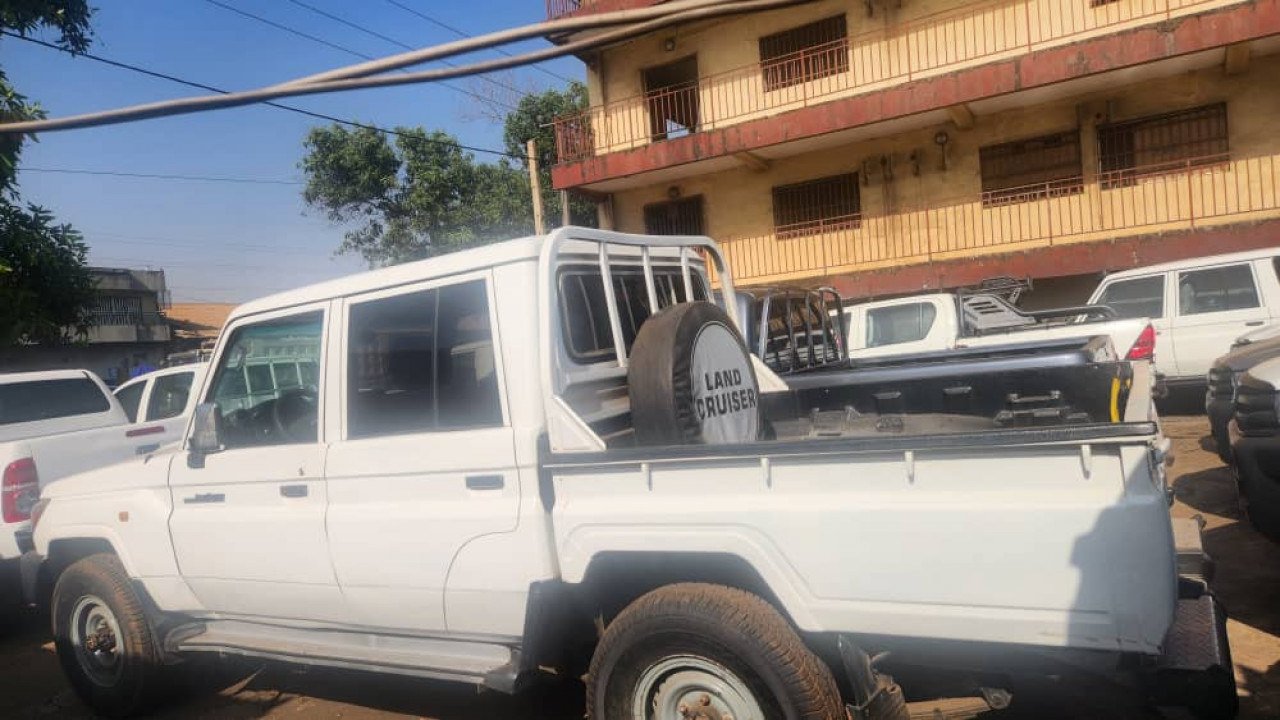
1248, 582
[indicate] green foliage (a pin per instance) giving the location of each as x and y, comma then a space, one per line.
45, 286
422, 195
532, 120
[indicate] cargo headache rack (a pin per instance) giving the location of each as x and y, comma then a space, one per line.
812, 339
587, 403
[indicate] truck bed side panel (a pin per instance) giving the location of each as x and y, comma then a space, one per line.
1051, 545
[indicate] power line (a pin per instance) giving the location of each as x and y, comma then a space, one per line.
159, 176
173, 242
397, 43
280, 106
365, 75
336, 46
464, 34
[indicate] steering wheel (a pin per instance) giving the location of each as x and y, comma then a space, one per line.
294, 414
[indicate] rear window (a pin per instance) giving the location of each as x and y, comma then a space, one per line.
1136, 298
48, 399
585, 313
899, 323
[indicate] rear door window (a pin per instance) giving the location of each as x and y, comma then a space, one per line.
48, 399
1217, 290
899, 323
1136, 298
169, 395
130, 397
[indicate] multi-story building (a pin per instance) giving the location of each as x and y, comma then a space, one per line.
889, 146
128, 330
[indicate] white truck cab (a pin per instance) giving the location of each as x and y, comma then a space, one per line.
549, 455
1198, 307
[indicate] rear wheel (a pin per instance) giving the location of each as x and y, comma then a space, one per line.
708, 652
104, 642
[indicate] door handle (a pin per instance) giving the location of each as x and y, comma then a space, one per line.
484, 482
147, 449
1254, 323
293, 491
205, 498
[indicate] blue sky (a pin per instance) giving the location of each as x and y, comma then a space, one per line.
230, 242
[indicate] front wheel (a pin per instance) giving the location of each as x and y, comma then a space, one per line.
709, 652
104, 643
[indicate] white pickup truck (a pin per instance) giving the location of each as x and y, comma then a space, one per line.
948, 321
57, 423
505, 467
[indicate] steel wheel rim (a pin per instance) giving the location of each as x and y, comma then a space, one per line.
688, 687
95, 638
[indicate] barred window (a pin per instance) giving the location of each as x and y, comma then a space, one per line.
804, 53
1031, 169
117, 310
1162, 143
676, 217
816, 206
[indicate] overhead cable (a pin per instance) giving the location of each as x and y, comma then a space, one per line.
462, 33
160, 176
330, 44
357, 74
280, 106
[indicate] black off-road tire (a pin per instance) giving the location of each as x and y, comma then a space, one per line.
140, 682
733, 628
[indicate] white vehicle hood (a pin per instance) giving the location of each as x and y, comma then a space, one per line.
144, 472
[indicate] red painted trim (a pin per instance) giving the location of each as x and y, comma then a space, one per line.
139, 432
1157, 41
1059, 261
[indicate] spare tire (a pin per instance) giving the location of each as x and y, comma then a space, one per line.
691, 379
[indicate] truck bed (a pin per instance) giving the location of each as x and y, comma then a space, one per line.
971, 390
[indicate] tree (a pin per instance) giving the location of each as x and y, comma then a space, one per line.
532, 120
45, 285
419, 196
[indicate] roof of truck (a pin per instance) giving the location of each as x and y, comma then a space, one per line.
1197, 262
451, 264
38, 375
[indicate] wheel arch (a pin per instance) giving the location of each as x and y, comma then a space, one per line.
564, 618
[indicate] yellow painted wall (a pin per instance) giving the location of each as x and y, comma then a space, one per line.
924, 38
938, 214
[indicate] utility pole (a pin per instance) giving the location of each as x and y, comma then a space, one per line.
531, 149
565, 219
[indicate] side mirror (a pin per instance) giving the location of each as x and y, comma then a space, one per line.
206, 434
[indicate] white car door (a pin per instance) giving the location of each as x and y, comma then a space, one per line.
248, 521
1215, 306
164, 415
1146, 296
897, 328
427, 462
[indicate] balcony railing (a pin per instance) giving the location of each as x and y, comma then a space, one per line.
973, 34
562, 8
1185, 195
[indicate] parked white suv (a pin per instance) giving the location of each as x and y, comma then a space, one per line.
504, 463
1198, 307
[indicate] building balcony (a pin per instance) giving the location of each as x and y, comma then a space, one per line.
929, 63
1157, 201
557, 9
128, 327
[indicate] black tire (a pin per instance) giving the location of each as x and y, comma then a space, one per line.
670, 401
138, 682
733, 629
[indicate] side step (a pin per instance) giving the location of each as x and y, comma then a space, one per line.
416, 656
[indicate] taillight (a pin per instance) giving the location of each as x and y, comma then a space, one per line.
1144, 348
19, 491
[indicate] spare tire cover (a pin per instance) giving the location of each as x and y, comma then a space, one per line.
691, 379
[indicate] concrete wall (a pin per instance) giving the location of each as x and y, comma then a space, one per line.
937, 214
111, 361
